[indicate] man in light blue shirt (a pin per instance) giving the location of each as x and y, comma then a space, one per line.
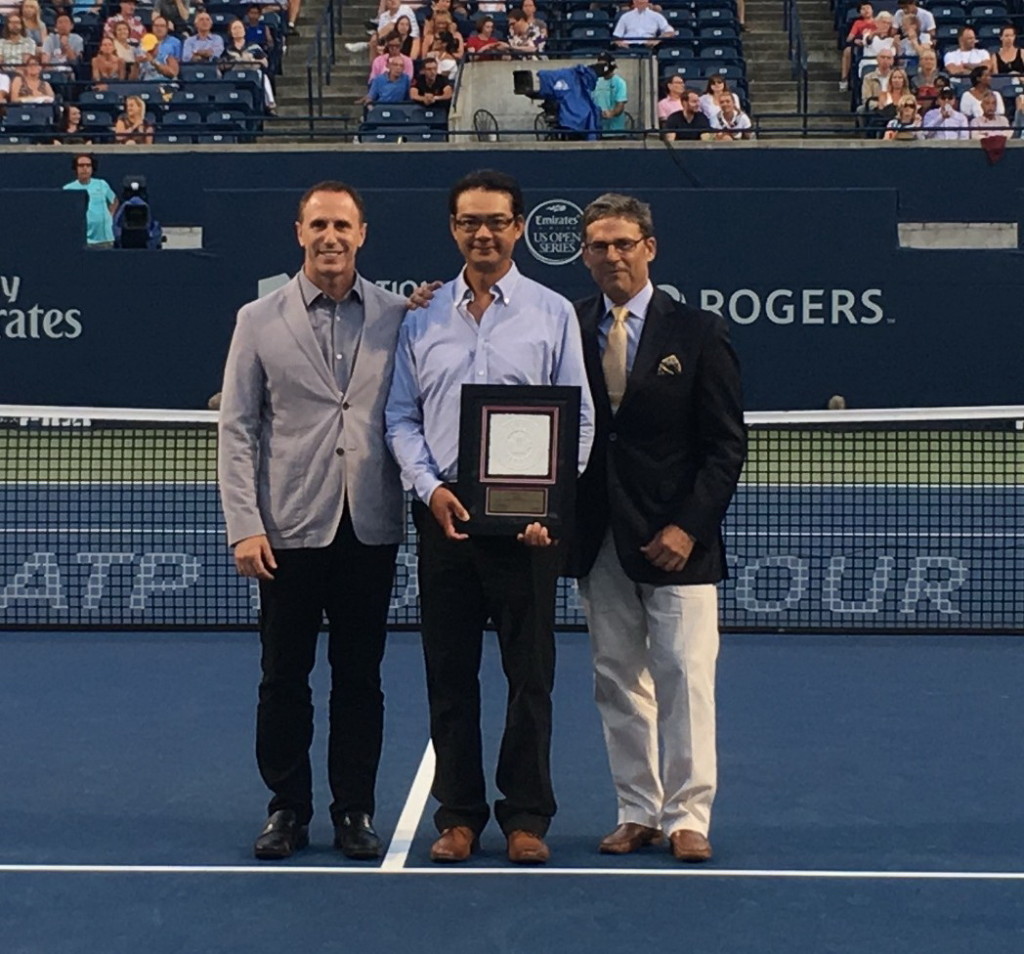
392, 86
206, 46
491, 325
99, 213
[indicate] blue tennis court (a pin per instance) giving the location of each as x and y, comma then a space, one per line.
869, 802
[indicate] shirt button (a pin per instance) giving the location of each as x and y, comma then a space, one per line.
613, 437
479, 373
340, 452
339, 356
345, 406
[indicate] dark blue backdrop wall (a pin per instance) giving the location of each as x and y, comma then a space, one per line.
819, 295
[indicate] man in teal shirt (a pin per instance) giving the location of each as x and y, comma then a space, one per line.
99, 214
610, 96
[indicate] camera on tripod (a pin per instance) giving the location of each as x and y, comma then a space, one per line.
565, 95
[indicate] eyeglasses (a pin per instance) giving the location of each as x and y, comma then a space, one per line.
494, 223
622, 246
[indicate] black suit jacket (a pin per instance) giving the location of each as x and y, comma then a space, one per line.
673, 452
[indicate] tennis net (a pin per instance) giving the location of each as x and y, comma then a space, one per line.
845, 521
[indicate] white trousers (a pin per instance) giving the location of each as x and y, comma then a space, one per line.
654, 650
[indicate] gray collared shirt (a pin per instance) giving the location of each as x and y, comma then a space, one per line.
337, 326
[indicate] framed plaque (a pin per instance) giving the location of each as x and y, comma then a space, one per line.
518, 456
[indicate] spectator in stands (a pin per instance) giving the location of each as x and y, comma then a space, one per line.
392, 47
15, 47
127, 49
991, 121
1008, 58
877, 81
410, 44
907, 121
716, 85
862, 26
427, 29
925, 82
206, 46
107, 65
63, 48
689, 122
912, 42
294, 9
136, 28
99, 213
730, 122
443, 50
925, 20
966, 56
1018, 117
981, 84
161, 61
672, 101
520, 42
641, 26
390, 87
29, 86
445, 23
32, 22
240, 52
175, 12
131, 126
945, 121
256, 31
536, 30
883, 37
431, 87
5, 89
491, 6
483, 44
69, 128
610, 96
386, 20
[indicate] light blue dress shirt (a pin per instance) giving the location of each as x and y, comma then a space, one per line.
637, 306
528, 335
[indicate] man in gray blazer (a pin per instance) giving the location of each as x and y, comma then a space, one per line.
314, 511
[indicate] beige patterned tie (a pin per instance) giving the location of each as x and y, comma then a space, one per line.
614, 360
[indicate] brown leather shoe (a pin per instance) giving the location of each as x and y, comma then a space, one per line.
627, 838
527, 848
689, 845
455, 844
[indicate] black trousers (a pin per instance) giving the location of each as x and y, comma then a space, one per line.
463, 584
351, 582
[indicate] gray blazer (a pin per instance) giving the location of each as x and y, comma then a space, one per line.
291, 449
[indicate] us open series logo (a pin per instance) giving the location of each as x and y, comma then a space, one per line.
553, 232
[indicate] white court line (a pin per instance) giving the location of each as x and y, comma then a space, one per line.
449, 871
412, 812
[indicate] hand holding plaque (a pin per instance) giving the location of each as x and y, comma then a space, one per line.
518, 450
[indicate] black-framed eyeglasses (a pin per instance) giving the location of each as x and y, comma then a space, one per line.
494, 223
622, 246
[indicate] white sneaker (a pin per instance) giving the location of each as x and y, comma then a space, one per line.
844, 87
357, 47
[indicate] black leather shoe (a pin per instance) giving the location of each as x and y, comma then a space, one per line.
355, 838
281, 837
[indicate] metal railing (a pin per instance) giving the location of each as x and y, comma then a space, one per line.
797, 53
321, 59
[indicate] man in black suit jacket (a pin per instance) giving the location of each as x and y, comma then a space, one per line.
667, 455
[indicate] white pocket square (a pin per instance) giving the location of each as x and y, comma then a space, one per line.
670, 364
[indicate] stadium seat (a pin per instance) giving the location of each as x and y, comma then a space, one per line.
709, 15
26, 118
428, 116
226, 120
390, 134
424, 134
172, 138
590, 34
389, 115
948, 13
237, 99
673, 54
946, 35
731, 71
88, 26
98, 118
219, 139
182, 117
717, 34
689, 71
187, 99
680, 19
988, 33
720, 51
592, 17
988, 11
99, 99
197, 73
221, 20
